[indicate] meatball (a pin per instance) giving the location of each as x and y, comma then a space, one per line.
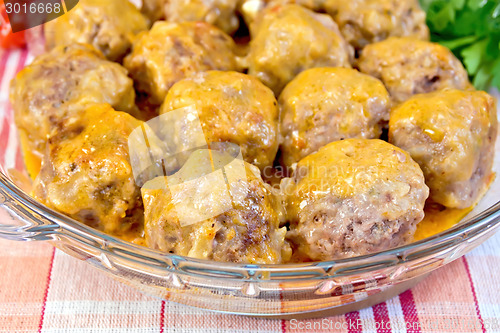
322, 105
289, 39
221, 13
109, 25
153, 9
354, 197
61, 82
225, 212
86, 173
251, 9
170, 52
232, 107
409, 66
363, 22
451, 134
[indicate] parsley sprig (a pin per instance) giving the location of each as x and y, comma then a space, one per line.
471, 29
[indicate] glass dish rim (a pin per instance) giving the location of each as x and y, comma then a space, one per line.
60, 224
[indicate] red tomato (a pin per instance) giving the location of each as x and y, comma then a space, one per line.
8, 39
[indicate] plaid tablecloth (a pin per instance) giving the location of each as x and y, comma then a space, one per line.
45, 290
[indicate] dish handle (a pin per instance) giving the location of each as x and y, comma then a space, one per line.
20, 223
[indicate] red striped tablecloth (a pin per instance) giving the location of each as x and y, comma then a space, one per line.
45, 290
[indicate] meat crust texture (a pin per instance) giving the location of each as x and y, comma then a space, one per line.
230, 218
220, 13
289, 39
232, 107
86, 173
250, 10
452, 135
354, 197
363, 22
61, 83
410, 66
170, 52
109, 25
322, 105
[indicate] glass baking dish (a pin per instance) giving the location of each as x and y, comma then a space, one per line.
307, 290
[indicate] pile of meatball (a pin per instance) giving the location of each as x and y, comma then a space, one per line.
304, 87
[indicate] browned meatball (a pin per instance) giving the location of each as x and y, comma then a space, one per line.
354, 197
61, 82
251, 9
87, 173
228, 214
221, 13
451, 134
289, 39
170, 52
153, 9
232, 107
409, 66
322, 105
109, 25
363, 22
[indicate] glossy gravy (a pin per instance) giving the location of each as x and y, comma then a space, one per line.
437, 218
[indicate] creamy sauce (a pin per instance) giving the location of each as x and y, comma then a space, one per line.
135, 236
437, 218
31, 161
33, 164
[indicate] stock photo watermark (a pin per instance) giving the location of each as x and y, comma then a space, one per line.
26, 14
447, 324
172, 153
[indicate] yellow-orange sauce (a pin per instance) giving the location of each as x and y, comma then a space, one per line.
32, 161
135, 235
437, 218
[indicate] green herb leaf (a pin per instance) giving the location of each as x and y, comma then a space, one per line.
459, 42
471, 29
473, 54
